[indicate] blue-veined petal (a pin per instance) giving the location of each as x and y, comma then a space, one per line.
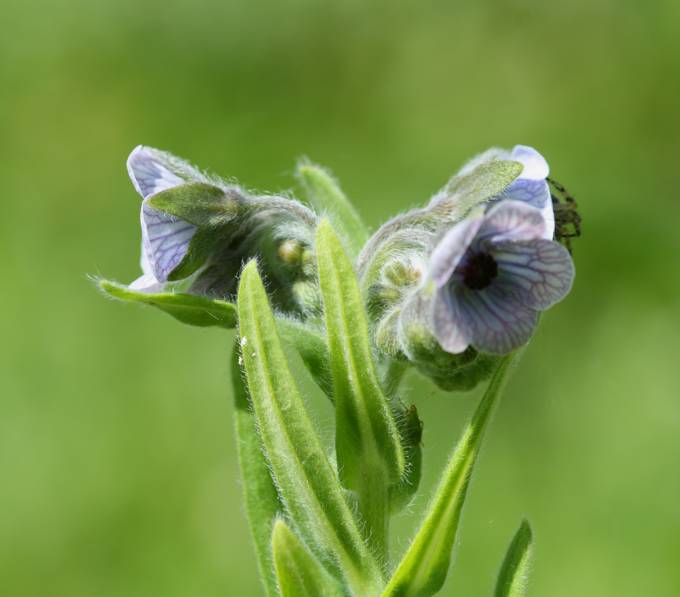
540, 272
494, 320
512, 221
152, 171
165, 241
448, 324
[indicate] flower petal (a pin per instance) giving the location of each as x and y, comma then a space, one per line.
539, 272
451, 248
493, 319
146, 283
152, 171
512, 221
535, 165
165, 241
446, 322
537, 194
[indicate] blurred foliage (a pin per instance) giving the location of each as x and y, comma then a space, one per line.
116, 449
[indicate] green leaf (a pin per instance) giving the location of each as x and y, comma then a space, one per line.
324, 193
307, 483
368, 446
298, 572
425, 564
261, 499
514, 573
187, 308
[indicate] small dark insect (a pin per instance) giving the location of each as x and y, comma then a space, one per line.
567, 218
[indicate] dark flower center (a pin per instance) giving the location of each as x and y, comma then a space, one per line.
479, 270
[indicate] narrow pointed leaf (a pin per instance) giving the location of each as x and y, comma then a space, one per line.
187, 308
425, 564
366, 429
261, 499
367, 441
514, 573
298, 572
324, 193
307, 483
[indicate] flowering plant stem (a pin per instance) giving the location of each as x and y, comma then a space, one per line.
337, 522
453, 290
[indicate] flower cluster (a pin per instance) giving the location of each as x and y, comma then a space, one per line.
448, 287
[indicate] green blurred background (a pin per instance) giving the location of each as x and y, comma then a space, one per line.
117, 457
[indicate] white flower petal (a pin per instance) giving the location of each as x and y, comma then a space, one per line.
146, 283
535, 165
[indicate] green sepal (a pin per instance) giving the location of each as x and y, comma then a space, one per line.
425, 564
307, 483
464, 193
261, 499
187, 308
324, 194
198, 203
298, 572
513, 576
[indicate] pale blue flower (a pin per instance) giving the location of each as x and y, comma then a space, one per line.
531, 186
165, 238
493, 274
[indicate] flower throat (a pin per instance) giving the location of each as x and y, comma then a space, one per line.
479, 271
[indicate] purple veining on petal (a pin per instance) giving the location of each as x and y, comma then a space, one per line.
512, 221
447, 323
166, 240
540, 272
495, 321
534, 192
494, 281
147, 172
